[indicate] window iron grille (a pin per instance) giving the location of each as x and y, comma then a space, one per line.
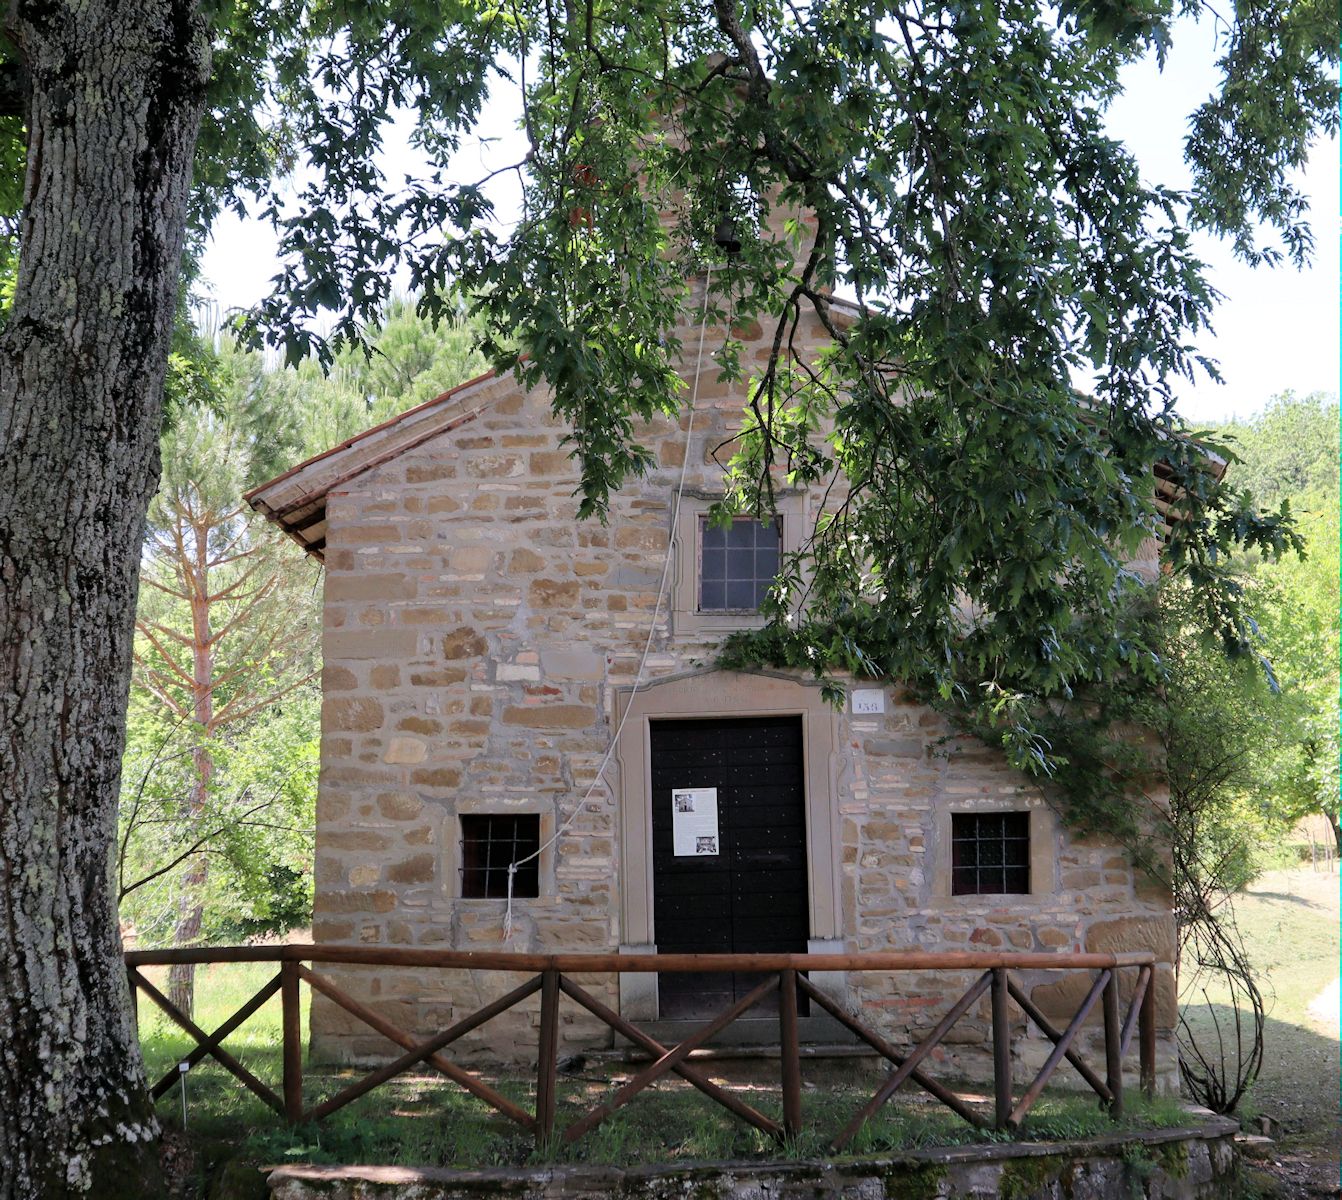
990, 854
489, 843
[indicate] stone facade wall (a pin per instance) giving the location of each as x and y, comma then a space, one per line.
477, 638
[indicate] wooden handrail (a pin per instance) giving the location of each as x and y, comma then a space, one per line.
620, 964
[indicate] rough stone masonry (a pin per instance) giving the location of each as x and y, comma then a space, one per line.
479, 645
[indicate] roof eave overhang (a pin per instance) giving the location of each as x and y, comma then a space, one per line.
296, 500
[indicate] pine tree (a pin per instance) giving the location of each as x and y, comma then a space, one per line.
223, 628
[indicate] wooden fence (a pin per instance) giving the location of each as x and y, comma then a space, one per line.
784, 973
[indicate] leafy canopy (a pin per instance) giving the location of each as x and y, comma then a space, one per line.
1290, 452
943, 161
947, 165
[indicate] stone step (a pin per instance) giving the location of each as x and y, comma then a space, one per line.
1254, 1145
632, 1054
758, 1034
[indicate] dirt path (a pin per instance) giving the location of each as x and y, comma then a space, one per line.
1303, 1176
1289, 921
1324, 1008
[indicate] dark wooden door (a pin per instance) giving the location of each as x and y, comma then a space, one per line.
751, 897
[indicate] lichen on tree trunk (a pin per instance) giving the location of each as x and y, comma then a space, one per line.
116, 94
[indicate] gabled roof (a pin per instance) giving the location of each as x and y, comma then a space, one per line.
296, 500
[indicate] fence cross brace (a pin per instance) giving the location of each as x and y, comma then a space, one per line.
896, 1078
209, 1043
752, 1116
417, 1054
668, 1061
1060, 1051
472, 1083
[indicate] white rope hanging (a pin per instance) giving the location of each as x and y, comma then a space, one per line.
652, 626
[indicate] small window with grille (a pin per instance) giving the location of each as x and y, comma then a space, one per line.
737, 564
489, 842
990, 853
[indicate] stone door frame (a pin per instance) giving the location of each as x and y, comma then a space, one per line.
717, 694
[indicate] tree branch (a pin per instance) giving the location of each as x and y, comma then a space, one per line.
189, 851
228, 713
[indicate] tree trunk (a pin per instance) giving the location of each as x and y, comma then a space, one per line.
116, 95
191, 901
190, 912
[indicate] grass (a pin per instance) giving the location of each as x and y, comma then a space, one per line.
430, 1125
422, 1120
220, 991
419, 1121
1289, 922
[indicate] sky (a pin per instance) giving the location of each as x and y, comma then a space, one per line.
1276, 329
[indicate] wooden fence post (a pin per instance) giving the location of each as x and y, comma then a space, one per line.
293, 1042
789, 1052
547, 1055
1113, 1045
1001, 1049
1146, 1035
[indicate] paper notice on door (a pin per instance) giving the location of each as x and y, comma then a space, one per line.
694, 821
